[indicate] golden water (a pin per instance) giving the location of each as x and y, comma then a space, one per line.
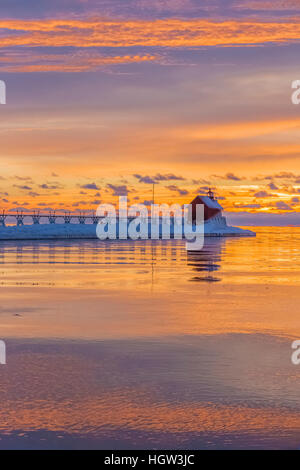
143, 345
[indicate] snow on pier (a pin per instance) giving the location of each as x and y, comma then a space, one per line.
81, 226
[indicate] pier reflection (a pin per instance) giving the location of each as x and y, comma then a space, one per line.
115, 263
91, 251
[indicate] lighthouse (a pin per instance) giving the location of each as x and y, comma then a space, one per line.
211, 206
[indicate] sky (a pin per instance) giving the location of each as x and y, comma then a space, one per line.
107, 97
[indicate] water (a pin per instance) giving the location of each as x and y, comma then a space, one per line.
140, 345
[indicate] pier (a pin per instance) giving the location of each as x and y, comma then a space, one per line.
52, 217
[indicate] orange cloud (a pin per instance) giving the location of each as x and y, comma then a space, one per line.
84, 142
239, 130
62, 63
166, 33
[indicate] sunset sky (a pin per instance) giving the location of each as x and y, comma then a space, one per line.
105, 97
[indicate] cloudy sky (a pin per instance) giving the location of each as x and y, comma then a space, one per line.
105, 97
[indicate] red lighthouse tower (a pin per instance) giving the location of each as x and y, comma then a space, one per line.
211, 206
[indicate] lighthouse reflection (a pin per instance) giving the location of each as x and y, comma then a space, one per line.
206, 261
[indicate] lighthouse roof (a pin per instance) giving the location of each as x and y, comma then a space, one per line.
211, 203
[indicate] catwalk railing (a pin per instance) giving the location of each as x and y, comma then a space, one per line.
50, 217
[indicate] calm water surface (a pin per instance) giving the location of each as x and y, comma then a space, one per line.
141, 345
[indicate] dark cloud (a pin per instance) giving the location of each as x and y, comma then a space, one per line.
168, 177
247, 206
203, 189
182, 192
147, 202
145, 179
118, 190
231, 176
295, 200
263, 194
79, 203
49, 186
158, 177
90, 186
24, 187
283, 206
285, 175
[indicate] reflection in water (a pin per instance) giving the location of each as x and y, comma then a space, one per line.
206, 260
92, 252
110, 344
